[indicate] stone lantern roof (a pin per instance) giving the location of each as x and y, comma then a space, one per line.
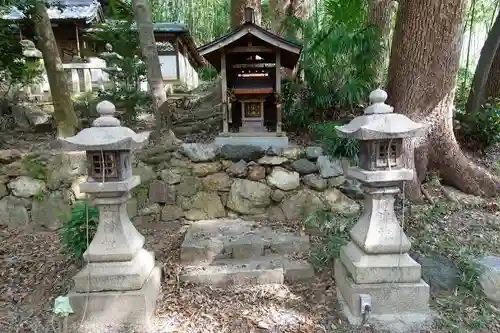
106, 133
380, 122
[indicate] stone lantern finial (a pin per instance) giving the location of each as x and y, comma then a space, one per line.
377, 100
378, 96
106, 110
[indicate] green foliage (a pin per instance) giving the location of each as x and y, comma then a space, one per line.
34, 167
332, 144
338, 62
433, 232
127, 71
206, 19
79, 230
482, 127
464, 81
334, 231
207, 73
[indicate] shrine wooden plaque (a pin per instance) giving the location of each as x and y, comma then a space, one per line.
253, 109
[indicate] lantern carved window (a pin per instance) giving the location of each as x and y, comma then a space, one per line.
103, 165
386, 155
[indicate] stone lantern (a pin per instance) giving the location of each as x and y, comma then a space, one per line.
120, 283
375, 276
34, 57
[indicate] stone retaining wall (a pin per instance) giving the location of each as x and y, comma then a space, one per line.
192, 181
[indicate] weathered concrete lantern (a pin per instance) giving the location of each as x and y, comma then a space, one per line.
374, 275
120, 283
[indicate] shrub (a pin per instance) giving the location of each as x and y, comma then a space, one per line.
332, 144
82, 224
482, 127
127, 71
333, 230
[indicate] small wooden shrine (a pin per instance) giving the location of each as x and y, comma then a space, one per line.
249, 60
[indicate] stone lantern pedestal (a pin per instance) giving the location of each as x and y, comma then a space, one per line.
120, 283
377, 281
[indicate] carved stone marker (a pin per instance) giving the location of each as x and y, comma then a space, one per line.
120, 283
376, 278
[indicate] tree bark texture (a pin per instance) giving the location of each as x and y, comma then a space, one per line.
280, 9
492, 88
380, 16
238, 11
422, 75
143, 18
478, 92
64, 113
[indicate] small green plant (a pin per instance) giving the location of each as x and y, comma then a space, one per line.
334, 145
79, 230
35, 168
482, 127
334, 230
40, 196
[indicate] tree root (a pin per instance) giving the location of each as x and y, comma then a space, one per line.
457, 170
427, 195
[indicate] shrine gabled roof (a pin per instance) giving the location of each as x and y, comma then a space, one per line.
290, 50
86, 10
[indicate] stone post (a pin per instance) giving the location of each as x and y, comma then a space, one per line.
120, 283
377, 281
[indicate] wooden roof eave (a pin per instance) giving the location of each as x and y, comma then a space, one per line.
209, 49
189, 42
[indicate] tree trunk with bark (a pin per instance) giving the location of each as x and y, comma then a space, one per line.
478, 91
422, 75
144, 20
281, 9
380, 16
492, 88
238, 11
64, 113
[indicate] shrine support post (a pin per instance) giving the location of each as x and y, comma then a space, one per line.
278, 93
225, 127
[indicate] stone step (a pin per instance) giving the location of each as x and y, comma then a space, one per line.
206, 241
246, 272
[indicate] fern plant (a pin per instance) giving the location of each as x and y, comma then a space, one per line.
74, 231
338, 62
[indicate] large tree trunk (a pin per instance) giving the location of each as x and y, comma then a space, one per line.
238, 11
280, 9
492, 89
64, 113
422, 71
143, 18
481, 76
277, 8
380, 16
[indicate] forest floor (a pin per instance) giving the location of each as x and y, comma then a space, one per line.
33, 271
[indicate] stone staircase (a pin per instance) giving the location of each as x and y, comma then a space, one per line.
237, 252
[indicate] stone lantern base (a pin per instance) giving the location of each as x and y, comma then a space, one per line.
116, 309
396, 307
375, 269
